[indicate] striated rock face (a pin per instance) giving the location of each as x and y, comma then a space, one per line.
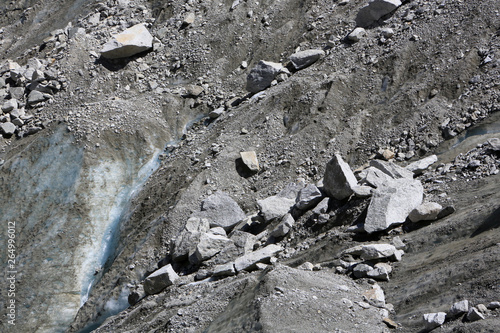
134, 40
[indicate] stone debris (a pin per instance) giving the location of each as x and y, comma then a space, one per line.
308, 197
160, 279
185, 244
216, 113
362, 191
221, 211
262, 75
248, 261
339, 179
249, 158
433, 320
208, 246
474, 314
357, 34
371, 251
418, 167
493, 305
130, 42
224, 270
375, 296
9, 105
391, 169
375, 10
427, 211
361, 270
459, 308
284, 227
380, 272
303, 59
275, 206
7, 129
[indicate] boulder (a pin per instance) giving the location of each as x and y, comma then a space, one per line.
375, 10
321, 207
249, 158
136, 295
208, 246
9, 105
375, 296
308, 197
221, 211
361, 270
291, 190
275, 207
427, 211
357, 34
216, 113
305, 58
261, 76
494, 305
420, 166
391, 203
7, 129
185, 244
284, 227
224, 270
474, 314
35, 97
433, 320
362, 191
248, 261
243, 240
380, 272
134, 40
160, 279
374, 177
392, 170
339, 179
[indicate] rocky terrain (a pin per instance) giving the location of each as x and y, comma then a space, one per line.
237, 166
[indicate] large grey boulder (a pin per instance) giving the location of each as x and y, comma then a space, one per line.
420, 166
433, 320
35, 97
160, 279
185, 244
427, 211
375, 10
221, 211
374, 177
7, 129
303, 59
261, 76
208, 246
248, 261
339, 178
275, 207
9, 105
459, 308
392, 202
134, 40
308, 197
392, 170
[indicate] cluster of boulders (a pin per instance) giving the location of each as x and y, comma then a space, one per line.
459, 310
24, 88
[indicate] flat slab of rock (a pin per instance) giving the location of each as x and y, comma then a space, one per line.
160, 279
433, 320
248, 261
132, 41
339, 179
261, 76
390, 204
427, 211
474, 314
375, 296
221, 211
372, 251
35, 97
375, 10
420, 166
249, 158
305, 58
392, 170
275, 206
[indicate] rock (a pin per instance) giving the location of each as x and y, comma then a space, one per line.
216, 113
339, 179
433, 320
390, 323
390, 204
243, 240
189, 19
136, 295
371, 251
482, 308
321, 207
380, 272
132, 41
193, 90
307, 266
494, 305
392, 170
494, 144
374, 177
474, 314
248, 261
420, 166
17, 122
261, 76
445, 212
224, 270
208, 246
305, 58
308, 197
398, 255
459, 308
7, 129
427, 211
17, 93
375, 296
362, 191
356, 35
35, 97
9, 105
284, 227
291, 190
375, 10
221, 211
218, 231
185, 243
387, 32
249, 158
275, 207
160, 279
361, 270
398, 243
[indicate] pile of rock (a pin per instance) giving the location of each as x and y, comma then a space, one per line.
25, 87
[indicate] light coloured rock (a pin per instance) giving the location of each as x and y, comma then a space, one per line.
275, 207
308, 197
284, 227
208, 246
249, 158
361, 270
391, 169
387, 32
391, 203
160, 279
35, 97
427, 211
305, 58
420, 166
362, 191
189, 19
132, 41
398, 243
261, 76
185, 243
375, 296
357, 34
433, 320
494, 144
474, 314
307, 266
371, 251
243, 240
380, 272
321, 207
375, 10
216, 113
224, 270
374, 177
9, 105
494, 305
482, 308
398, 255
291, 190
7, 129
248, 261
218, 231
221, 211
339, 179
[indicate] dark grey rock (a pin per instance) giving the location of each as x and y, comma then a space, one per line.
375, 10
305, 58
339, 179
261, 76
160, 279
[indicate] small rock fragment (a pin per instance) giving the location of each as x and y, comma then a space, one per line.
357, 34
284, 227
420, 166
305, 58
261, 76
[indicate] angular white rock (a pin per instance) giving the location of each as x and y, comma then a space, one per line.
134, 40
261, 76
160, 279
339, 179
305, 58
249, 158
275, 206
427, 211
284, 227
357, 34
209, 245
248, 261
420, 166
433, 320
308, 197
